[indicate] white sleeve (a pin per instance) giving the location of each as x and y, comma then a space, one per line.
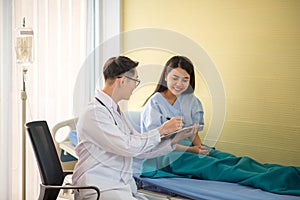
164, 147
161, 149
97, 126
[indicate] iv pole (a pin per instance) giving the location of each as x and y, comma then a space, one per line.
24, 98
24, 54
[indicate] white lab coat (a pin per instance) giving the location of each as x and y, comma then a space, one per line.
105, 150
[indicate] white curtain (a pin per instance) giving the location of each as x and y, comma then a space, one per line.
60, 48
59, 83
6, 98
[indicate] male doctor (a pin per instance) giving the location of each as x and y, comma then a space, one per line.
107, 142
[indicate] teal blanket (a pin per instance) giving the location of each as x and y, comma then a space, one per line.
220, 166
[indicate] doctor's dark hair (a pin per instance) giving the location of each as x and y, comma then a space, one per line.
116, 66
175, 62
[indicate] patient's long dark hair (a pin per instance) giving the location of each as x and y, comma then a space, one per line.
175, 62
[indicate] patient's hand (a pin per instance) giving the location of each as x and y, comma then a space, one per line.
198, 150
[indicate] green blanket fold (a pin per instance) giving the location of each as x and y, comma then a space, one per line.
220, 166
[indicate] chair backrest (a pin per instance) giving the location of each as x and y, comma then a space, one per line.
45, 152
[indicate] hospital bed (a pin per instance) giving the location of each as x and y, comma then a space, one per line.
170, 188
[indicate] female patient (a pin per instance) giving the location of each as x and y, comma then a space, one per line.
174, 97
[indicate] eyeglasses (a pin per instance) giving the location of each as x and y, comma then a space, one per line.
137, 81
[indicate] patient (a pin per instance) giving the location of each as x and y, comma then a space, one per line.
174, 97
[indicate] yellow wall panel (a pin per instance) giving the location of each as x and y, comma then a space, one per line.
255, 46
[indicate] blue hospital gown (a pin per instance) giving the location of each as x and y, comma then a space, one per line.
158, 109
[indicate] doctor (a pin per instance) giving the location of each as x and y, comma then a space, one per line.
107, 142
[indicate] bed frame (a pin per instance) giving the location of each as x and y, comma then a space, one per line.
173, 188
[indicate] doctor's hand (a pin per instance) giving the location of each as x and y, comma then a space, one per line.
171, 125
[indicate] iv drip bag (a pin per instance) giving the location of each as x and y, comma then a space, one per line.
24, 46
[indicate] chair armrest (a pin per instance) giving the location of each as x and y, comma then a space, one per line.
55, 187
67, 172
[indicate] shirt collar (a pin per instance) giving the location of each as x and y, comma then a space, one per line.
106, 99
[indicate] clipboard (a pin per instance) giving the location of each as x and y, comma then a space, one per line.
167, 136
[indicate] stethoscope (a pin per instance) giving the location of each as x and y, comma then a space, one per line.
106, 108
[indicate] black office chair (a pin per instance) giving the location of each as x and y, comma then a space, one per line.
49, 165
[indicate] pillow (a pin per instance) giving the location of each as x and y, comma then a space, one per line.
73, 137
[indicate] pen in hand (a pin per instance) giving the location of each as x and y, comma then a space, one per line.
168, 118
177, 118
